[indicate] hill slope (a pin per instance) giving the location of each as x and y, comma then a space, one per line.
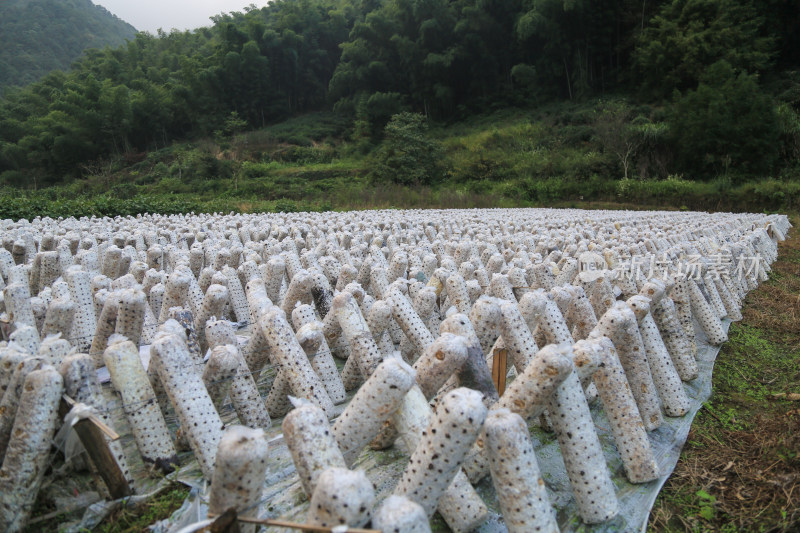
38, 36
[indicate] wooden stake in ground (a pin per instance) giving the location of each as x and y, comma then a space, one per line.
97, 447
500, 369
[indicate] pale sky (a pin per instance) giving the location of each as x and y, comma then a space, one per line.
150, 15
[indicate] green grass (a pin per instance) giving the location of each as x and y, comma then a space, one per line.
701, 496
309, 129
505, 158
136, 519
756, 366
132, 519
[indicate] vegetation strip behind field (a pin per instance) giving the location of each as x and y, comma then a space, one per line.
525, 158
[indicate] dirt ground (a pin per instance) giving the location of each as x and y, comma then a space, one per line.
740, 468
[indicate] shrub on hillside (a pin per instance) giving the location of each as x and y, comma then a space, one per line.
407, 156
727, 124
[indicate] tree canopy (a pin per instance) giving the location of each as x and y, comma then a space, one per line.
38, 36
373, 59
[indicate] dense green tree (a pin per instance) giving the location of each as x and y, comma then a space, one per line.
375, 111
726, 125
617, 135
264, 64
38, 36
420, 49
577, 47
407, 156
687, 36
370, 60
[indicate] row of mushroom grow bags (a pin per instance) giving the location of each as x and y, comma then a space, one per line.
380, 329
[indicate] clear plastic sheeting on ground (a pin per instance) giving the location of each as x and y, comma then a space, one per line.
635, 501
282, 496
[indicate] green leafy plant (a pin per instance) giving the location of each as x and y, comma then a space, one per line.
407, 155
706, 504
726, 125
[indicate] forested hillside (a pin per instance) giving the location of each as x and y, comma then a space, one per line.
38, 36
699, 89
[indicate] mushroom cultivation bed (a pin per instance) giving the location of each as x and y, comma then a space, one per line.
339, 368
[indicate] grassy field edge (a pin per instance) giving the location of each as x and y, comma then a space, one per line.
740, 468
